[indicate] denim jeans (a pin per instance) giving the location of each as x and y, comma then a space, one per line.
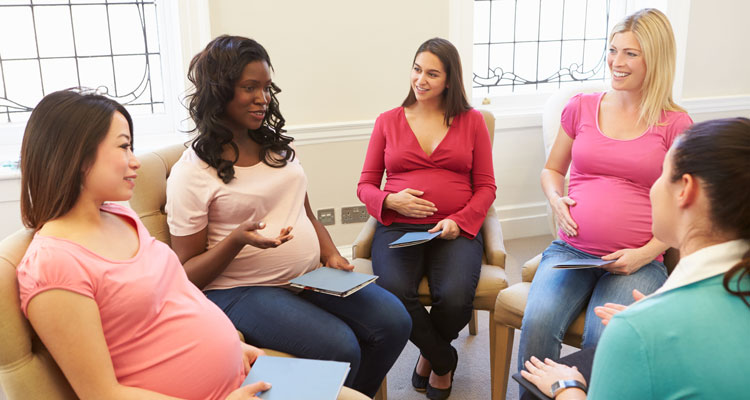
557, 297
367, 329
452, 269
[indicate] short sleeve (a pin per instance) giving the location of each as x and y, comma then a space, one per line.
188, 198
46, 267
621, 365
679, 124
570, 116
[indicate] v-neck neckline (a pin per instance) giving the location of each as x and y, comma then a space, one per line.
416, 139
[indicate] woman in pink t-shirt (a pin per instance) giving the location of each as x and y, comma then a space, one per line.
614, 143
119, 316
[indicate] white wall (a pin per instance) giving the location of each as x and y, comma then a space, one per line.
341, 63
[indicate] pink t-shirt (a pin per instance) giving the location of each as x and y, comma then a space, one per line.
197, 198
457, 177
610, 179
163, 334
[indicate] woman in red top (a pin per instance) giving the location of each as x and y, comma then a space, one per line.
436, 152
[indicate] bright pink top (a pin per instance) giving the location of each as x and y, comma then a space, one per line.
610, 179
458, 176
163, 334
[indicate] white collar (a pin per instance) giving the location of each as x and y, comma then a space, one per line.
705, 263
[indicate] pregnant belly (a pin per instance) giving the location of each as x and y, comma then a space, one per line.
613, 218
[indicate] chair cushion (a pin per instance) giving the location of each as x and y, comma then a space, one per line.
528, 270
492, 280
511, 303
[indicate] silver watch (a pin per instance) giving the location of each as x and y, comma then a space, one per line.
562, 384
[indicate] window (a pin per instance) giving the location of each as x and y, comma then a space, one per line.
113, 46
534, 46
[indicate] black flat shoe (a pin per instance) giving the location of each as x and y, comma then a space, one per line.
418, 381
442, 394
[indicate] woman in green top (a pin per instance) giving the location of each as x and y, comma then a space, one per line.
688, 339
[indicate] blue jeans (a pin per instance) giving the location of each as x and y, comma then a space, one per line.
367, 329
452, 269
557, 297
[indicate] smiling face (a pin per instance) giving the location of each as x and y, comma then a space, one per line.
626, 62
252, 93
112, 174
428, 77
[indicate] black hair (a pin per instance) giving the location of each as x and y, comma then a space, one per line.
214, 72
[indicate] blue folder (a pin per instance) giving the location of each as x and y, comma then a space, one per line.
333, 281
413, 238
298, 378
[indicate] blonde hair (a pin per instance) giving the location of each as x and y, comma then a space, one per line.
654, 33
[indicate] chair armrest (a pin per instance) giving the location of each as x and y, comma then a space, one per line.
528, 270
494, 247
362, 246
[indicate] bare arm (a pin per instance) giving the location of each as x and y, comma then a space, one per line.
329, 254
203, 265
70, 326
553, 182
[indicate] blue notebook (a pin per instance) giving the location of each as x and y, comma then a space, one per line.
298, 378
413, 239
333, 281
582, 263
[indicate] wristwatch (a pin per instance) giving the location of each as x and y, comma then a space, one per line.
563, 384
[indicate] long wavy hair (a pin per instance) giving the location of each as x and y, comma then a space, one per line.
654, 33
717, 152
454, 96
214, 72
59, 146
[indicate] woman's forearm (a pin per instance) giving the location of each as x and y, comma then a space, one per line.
203, 268
553, 184
654, 247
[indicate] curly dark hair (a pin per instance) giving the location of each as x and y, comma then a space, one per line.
717, 152
214, 73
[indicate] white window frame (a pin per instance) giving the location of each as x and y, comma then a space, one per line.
182, 25
525, 110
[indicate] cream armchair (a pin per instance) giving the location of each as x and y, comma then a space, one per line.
149, 199
492, 276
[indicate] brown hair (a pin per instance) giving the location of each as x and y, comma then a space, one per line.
717, 152
454, 96
59, 145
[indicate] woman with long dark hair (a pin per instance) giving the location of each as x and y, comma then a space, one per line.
436, 152
112, 304
240, 178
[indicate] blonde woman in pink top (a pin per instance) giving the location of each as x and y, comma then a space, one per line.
111, 303
614, 143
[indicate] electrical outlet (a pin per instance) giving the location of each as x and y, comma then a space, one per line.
327, 216
353, 215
